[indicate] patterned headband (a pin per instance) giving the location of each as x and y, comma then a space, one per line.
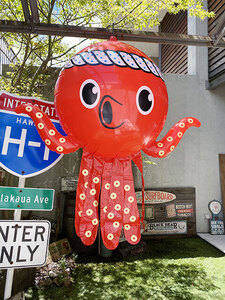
118, 58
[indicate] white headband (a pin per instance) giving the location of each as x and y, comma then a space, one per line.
118, 58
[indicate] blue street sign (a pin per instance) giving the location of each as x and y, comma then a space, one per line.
22, 151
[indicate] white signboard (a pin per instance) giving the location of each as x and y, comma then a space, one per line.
23, 243
173, 227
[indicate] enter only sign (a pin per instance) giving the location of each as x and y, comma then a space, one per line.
23, 243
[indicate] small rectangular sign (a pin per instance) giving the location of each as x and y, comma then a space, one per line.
179, 210
184, 209
216, 227
26, 198
59, 248
149, 212
23, 243
69, 183
158, 228
170, 211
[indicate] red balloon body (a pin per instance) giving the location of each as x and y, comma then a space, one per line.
111, 101
113, 125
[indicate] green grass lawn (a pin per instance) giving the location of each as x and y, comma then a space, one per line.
169, 269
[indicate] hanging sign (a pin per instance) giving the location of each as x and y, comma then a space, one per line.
26, 198
155, 197
23, 243
22, 151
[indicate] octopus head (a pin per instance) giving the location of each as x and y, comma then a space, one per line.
111, 99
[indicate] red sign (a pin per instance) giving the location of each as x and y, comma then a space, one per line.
186, 210
9, 102
155, 197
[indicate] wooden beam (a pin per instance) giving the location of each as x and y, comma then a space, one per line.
34, 11
26, 11
103, 33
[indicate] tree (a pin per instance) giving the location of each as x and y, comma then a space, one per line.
39, 57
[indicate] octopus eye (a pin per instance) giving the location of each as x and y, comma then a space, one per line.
144, 100
89, 93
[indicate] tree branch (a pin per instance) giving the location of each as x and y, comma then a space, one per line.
61, 55
128, 14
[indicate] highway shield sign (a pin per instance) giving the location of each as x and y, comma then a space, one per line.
22, 151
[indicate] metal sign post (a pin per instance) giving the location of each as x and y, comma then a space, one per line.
10, 272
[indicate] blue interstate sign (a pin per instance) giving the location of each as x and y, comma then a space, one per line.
22, 151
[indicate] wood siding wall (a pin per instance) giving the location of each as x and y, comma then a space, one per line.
216, 55
174, 58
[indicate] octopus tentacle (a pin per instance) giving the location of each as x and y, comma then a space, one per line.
83, 188
52, 138
165, 146
131, 218
87, 199
111, 203
137, 159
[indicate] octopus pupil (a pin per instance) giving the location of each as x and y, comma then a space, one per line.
107, 112
88, 94
144, 102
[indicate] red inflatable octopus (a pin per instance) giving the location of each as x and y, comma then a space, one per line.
111, 101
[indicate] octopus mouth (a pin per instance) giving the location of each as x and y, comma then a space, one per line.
106, 112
